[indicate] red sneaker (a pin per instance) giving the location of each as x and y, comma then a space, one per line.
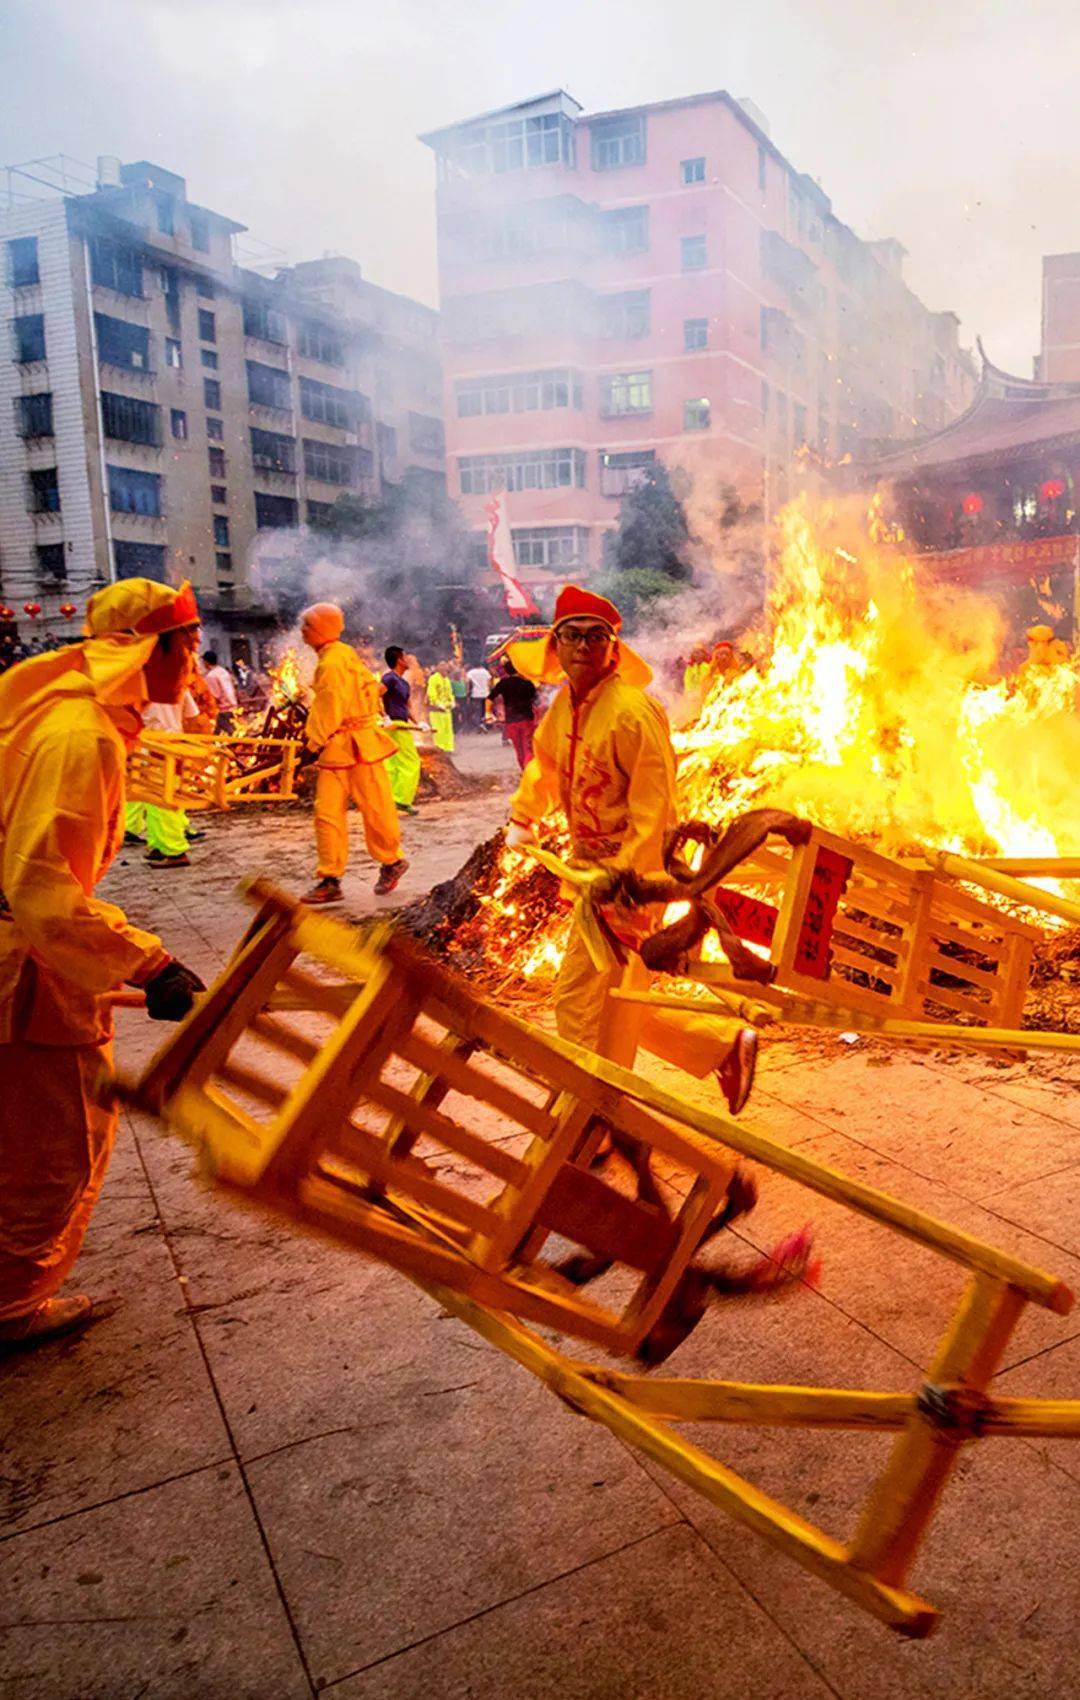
391, 875
736, 1072
326, 890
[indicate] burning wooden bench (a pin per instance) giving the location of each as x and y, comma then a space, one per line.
336, 1077
182, 770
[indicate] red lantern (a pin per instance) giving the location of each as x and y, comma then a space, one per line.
1052, 489
32, 608
6, 613
67, 609
973, 503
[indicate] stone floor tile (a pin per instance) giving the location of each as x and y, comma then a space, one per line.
165, 1594
1047, 1207
660, 1620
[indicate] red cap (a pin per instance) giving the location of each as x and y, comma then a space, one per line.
574, 603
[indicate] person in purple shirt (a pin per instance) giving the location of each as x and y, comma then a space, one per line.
404, 766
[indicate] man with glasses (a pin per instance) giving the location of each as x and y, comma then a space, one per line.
603, 754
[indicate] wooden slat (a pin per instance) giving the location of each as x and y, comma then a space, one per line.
328, 999
935, 958
890, 972
423, 1119
283, 1037
762, 1405
583, 1208
357, 1146
464, 1077
896, 943
248, 1080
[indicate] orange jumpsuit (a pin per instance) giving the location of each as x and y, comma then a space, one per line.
343, 725
609, 764
66, 723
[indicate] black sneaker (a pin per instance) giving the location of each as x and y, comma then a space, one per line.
326, 890
158, 859
390, 875
133, 838
195, 834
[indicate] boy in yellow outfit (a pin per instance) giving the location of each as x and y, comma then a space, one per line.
440, 695
67, 721
603, 754
352, 749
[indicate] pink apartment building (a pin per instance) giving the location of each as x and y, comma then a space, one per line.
660, 283
1060, 358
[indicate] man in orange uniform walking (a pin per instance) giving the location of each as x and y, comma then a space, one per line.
343, 728
67, 721
603, 754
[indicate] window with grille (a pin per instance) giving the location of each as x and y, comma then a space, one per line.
207, 325
319, 512
626, 315
273, 513
331, 463
550, 546
140, 560
694, 254
695, 334
223, 562
534, 469
22, 262
28, 338
132, 492
697, 415
115, 266
44, 490
625, 230
215, 427
122, 344
173, 353
426, 434
272, 452
209, 358
211, 393
216, 460
327, 404
516, 144
622, 471
625, 392
130, 420
268, 386
618, 141
221, 530
264, 322
519, 392
33, 415
692, 170
52, 562
319, 343
178, 421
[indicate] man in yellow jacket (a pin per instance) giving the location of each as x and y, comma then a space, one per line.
352, 749
440, 695
67, 721
603, 754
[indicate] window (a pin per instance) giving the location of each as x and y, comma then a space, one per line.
331, 463
386, 437
697, 415
329, 405
215, 428
122, 344
319, 512
28, 338
268, 386
517, 144
209, 358
221, 531
692, 170
219, 494
695, 334
44, 490
140, 560
618, 141
764, 399
170, 289
625, 392
204, 287
272, 452
626, 315
207, 325
200, 233
761, 161
164, 208
22, 258
211, 389
426, 434
272, 513
114, 266
531, 469
694, 255
52, 562
798, 424
173, 354
216, 461
33, 415
132, 492
264, 322
178, 420
551, 546
318, 343
625, 230
519, 392
223, 562
622, 472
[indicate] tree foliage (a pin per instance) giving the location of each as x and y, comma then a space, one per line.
653, 535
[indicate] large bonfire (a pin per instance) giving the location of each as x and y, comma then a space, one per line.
878, 708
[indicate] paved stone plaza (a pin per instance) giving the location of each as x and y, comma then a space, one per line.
273, 1468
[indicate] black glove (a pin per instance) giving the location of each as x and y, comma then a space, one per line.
170, 993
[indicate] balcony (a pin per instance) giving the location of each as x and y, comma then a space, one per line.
48, 523
273, 477
137, 528
271, 418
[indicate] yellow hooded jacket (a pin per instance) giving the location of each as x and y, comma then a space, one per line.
67, 719
343, 724
608, 762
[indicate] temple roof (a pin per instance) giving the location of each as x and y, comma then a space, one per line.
1008, 414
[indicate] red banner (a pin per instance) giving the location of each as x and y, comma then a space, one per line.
1017, 559
813, 955
750, 919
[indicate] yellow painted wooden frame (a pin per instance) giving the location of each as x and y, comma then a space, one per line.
192, 771
282, 1165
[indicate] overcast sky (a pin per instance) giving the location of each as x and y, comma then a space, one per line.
950, 124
